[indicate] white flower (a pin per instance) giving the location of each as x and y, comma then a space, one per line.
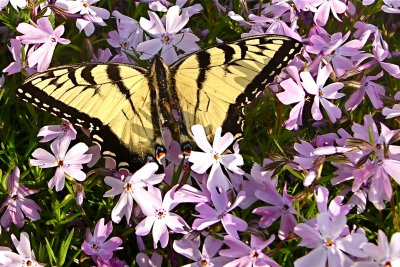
212, 156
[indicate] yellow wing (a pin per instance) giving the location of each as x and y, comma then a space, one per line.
113, 100
213, 85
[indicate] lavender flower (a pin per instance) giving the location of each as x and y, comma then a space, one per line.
91, 14
383, 254
96, 245
43, 34
127, 187
159, 216
282, 206
374, 91
25, 256
324, 8
294, 93
207, 257
322, 93
17, 204
144, 261
209, 216
67, 162
57, 132
167, 38
328, 245
251, 256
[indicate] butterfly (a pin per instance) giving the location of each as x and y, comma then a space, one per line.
126, 107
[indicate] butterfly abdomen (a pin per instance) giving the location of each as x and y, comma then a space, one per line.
164, 99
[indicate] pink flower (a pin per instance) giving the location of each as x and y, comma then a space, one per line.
391, 6
250, 256
67, 162
16, 4
17, 204
57, 131
209, 216
282, 206
144, 261
383, 254
391, 112
90, 13
15, 50
329, 246
102, 55
127, 187
96, 244
25, 256
294, 93
159, 216
322, 93
43, 34
322, 13
207, 257
212, 156
374, 91
384, 161
335, 51
167, 39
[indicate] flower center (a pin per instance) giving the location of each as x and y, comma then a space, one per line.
166, 39
286, 207
320, 93
52, 39
378, 146
221, 215
254, 255
95, 246
160, 214
204, 263
329, 243
60, 163
28, 262
128, 187
14, 197
388, 264
217, 156
85, 4
125, 44
64, 126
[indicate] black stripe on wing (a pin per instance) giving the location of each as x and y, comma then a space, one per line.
100, 132
234, 119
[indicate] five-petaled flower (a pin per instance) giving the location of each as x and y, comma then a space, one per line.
127, 188
212, 156
66, 162
42, 33
96, 244
159, 216
167, 38
17, 204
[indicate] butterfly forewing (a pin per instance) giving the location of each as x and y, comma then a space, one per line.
110, 99
228, 76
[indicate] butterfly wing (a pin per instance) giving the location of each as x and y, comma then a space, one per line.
227, 76
112, 100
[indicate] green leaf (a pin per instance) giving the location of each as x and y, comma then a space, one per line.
64, 248
50, 252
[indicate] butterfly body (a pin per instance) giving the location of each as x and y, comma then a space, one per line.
126, 107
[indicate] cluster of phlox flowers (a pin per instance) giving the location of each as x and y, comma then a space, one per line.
316, 189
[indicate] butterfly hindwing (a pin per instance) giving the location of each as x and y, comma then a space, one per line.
214, 84
112, 100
